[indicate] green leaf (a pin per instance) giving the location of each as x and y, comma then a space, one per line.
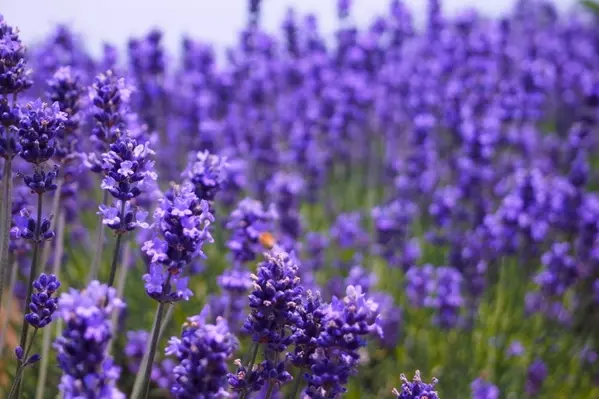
593, 6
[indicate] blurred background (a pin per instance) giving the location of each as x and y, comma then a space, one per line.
217, 22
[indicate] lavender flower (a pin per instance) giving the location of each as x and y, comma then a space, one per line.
66, 89
273, 301
273, 374
315, 248
390, 320
515, 349
43, 305
348, 232
14, 76
9, 120
39, 126
306, 331
247, 223
559, 271
235, 284
207, 172
135, 348
345, 324
416, 389
420, 281
25, 227
87, 369
202, 353
244, 380
123, 221
110, 97
482, 389
438, 288
392, 223
537, 372
181, 231
128, 168
285, 190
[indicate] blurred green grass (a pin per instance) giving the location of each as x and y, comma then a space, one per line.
456, 357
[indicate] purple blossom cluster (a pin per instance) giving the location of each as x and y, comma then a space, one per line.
87, 369
202, 353
248, 222
43, 305
416, 389
438, 288
181, 230
14, 74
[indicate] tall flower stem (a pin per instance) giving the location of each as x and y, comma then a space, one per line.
15, 389
54, 211
57, 261
271, 388
8, 305
153, 343
6, 212
296, 384
117, 248
33, 269
138, 379
255, 348
120, 289
5, 219
98, 246
32, 274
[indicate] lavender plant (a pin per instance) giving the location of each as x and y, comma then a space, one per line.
434, 205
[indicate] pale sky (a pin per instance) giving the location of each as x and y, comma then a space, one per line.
216, 21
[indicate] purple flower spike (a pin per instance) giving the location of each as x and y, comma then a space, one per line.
247, 223
87, 369
39, 126
25, 228
14, 75
181, 229
482, 389
416, 389
202, 353
66, 89
537, 372
43, 305
110, 98
207, 173
273, 301
345, 324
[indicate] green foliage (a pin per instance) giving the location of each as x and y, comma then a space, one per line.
456, 357
592, 6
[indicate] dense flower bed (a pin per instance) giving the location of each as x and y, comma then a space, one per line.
319, 215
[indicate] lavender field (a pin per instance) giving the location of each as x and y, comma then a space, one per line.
402, 210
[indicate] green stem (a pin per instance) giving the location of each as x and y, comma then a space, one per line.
138, 378
55, 211
271, 388
98, 245
6, 210
256, 347
296, 384
15, 389
5, 316
5, 221
117, 249
47, 337
153, 344
120, 289
32, 270
32, 274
